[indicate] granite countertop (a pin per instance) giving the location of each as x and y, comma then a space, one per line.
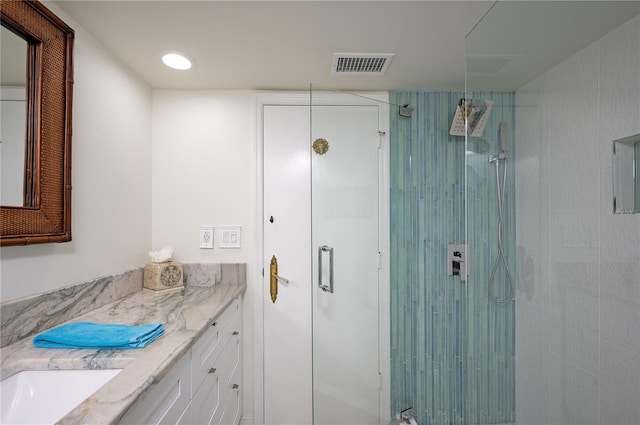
185, 313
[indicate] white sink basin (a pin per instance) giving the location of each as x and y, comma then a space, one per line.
46, 396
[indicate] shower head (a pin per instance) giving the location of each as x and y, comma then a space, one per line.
471, 117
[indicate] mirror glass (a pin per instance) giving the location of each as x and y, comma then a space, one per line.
13, 74
626, 183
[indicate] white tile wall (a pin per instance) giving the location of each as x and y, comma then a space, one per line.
619, 385
532, 367
573, 394
578, 308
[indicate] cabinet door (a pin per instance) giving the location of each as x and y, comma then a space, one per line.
231, 409
233, 405
165, 401
231, 377
233, 315
223, 376
187, 416
205, 406
205, 351
209, 346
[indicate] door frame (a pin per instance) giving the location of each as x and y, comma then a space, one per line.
302, 99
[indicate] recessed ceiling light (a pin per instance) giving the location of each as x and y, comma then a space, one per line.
177, 61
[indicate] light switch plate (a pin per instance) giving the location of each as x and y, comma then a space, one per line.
206, 237
229, 236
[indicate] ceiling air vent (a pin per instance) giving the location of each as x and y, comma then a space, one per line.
361, 63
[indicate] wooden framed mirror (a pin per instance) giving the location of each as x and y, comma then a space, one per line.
44, 215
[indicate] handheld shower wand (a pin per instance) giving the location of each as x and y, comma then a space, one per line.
503, 135
504, 144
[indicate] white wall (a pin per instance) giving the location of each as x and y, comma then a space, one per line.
578, 300
203, 171
204, 174
111, 177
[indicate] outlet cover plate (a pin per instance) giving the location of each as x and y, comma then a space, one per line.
206, 237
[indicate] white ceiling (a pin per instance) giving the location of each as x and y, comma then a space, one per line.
288, 45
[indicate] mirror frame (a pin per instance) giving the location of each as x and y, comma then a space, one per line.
46, 212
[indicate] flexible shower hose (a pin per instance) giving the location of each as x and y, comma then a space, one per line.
500, 256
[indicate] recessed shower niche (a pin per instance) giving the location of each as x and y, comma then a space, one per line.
626, 182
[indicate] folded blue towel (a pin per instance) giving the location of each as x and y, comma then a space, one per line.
99, 336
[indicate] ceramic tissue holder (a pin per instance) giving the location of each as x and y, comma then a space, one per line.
162, 273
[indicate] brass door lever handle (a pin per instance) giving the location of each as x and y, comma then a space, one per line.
274, 278
282, 279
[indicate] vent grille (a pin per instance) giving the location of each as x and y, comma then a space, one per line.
361, 63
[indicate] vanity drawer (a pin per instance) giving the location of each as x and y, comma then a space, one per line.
165, 401
232, 362
232, 322
206, 401
228, 411
207, 349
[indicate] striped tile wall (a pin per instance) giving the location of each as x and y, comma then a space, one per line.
452, 351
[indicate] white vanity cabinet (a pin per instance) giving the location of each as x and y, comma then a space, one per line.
204, 386
230, 385
216, 370
167, 401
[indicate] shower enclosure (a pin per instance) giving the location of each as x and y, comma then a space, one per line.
452, 348
348, 232
572, 71
544, 327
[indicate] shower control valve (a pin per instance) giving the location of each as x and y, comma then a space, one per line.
457, 260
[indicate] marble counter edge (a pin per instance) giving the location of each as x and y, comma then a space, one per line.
186, 315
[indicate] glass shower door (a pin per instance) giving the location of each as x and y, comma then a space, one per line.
345, 256
490, 232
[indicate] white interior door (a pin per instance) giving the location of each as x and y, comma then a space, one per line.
287, 236
332, 376
346, 261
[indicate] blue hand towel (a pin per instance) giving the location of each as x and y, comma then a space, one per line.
99, 336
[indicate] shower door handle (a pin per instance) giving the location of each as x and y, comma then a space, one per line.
322, 249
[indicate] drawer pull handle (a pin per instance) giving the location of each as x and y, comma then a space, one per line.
235, 333
212, 370
236, 386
